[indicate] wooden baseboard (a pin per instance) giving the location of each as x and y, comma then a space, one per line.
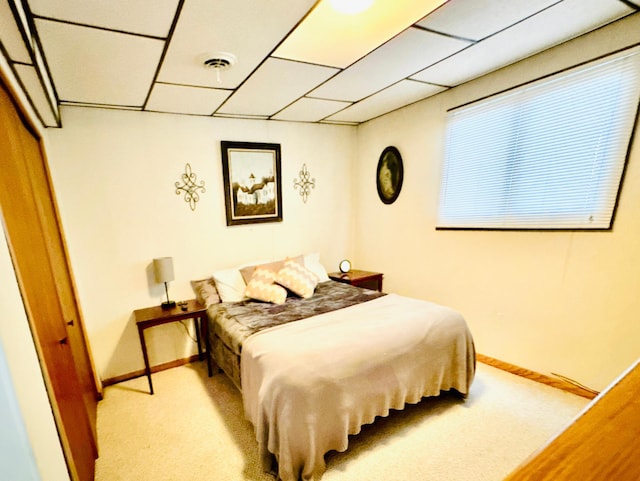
141, 372
490, 361
536, 376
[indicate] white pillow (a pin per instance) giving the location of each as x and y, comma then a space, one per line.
230, 285
312, 262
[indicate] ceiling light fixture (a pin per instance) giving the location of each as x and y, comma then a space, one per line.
326, 37
350, 7
220, 61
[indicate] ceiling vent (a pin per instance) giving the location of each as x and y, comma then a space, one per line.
220, 61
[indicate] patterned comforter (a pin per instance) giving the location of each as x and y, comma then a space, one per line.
233, 322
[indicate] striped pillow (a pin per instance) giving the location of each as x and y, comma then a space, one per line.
262, 288
297, 278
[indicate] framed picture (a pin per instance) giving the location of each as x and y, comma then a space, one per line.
389, 175
252, 182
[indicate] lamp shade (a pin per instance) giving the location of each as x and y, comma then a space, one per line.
163, 269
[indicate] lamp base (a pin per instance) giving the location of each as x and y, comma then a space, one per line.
168, 304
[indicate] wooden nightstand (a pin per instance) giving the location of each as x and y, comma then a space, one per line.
366, 279
156, 315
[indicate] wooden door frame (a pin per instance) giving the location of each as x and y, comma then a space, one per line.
8, 86
63, 384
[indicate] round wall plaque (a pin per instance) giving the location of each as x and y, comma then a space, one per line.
389, 175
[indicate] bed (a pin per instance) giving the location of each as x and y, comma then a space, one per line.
313, 371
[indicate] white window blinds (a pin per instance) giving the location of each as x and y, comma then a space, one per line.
549, 155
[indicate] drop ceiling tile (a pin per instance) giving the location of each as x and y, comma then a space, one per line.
408, 53
249, 29
185, 100
10, 35
553, 26
146, 17
101, 106
234, 116
398, 95
276, 84
310, 110
97, 66
477, 19
40, 66
36, 93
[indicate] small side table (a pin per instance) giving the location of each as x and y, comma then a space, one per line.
355, 277
156, 315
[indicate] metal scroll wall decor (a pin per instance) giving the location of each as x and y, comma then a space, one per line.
305, 182
190, 187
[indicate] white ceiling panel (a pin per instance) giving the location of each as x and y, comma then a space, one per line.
290, 64
40, 65
10, 35
477, 19
394, 97
102, 106
146, 17
550, 27
412, 50
242, 116
185, 100
94, 66
249, 29
310, 110
29, 77
276, 84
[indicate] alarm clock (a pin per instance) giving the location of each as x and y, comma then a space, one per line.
344, 266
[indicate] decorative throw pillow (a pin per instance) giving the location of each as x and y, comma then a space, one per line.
297, 278
275, 266
206, 292
262, 288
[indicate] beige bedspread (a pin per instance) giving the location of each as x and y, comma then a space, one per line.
307, 385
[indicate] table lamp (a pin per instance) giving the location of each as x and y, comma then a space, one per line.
163, 269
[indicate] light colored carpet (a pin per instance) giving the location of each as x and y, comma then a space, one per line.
193, 429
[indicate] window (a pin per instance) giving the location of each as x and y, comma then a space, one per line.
549, 155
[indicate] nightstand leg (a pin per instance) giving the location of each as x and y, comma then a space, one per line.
197, 321
147, 368
204, 326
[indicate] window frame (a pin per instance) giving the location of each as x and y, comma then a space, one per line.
627, 51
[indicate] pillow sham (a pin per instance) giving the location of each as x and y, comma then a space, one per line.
297, 278
262, 288
205, 291
230, 285
312, 262
274, 266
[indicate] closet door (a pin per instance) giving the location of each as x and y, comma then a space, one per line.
47, 213
39, 259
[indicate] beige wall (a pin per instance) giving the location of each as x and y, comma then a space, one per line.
553, 302
114, 174
562, 302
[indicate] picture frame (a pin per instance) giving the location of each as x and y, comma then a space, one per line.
389, 175
252, 182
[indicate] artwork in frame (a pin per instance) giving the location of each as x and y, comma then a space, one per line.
252, 182
389, 175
